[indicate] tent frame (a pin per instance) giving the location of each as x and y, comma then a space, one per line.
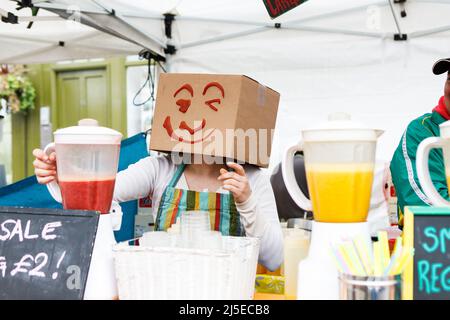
142, 38
260, 27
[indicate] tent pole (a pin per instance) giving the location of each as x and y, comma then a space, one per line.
45, 5
400, 35
65, 7
169, 48
299, 28
39, 18
339, 31
241, 22
269, 24
225, 37
434, 1
422, 33
118, 16
129, 34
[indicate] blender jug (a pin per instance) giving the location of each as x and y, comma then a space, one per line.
87, 161
423, 173
339, 161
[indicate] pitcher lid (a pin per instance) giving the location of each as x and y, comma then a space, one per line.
87, 131
341, 127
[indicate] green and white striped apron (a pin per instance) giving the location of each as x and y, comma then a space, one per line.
224, 216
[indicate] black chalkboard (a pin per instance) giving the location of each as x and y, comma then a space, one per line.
45, 253
432, 253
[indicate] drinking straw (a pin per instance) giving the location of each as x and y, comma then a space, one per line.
377, 257
406, 257
339, 261
395, 256
364, 254
343, 259
353, 255
384, 245
348, 261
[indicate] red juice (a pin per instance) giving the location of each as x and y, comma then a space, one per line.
87, 195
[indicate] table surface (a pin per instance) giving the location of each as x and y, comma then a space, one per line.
268, 296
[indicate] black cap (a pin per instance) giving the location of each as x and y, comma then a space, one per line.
441, 66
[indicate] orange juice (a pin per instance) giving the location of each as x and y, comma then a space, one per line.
340, 192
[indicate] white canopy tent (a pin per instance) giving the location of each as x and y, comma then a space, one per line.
322, 56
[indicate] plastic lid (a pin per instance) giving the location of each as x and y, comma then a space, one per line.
87, 132
340, 127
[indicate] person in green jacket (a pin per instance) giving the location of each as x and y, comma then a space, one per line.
403, 163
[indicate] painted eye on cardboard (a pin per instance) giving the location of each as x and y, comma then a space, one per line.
216, 85
209, 103
186, 87
184, 105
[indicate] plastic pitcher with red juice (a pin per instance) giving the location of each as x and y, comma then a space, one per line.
87, 158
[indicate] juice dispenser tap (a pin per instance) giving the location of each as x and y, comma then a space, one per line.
87, 161
339, 161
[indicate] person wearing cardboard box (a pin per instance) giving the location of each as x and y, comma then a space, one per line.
201, 120
403, 163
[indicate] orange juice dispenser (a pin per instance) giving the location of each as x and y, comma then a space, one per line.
339, 161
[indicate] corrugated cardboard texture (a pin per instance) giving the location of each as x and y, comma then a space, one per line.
198, 110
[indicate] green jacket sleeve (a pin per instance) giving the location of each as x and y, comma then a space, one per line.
403, 169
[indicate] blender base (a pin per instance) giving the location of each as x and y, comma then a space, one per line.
317, 273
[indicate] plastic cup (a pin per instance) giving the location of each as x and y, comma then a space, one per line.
155, 239
194, 225
370, 288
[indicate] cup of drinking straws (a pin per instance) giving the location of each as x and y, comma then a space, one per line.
368, 271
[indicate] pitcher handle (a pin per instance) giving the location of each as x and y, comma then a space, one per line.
287, 169
423, 173
52, 186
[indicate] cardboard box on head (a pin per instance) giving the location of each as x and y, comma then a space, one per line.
223, 116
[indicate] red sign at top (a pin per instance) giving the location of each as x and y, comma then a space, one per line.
278, 7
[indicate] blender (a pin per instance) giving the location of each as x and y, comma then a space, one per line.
339, 161
87, 158
422, 167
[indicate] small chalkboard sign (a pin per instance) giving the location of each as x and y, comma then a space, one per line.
45, 253
276, 8
428, 230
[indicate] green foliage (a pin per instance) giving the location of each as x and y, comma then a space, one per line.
18, 91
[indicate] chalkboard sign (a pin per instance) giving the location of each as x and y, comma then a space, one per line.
428, 230
276, 8
45, 253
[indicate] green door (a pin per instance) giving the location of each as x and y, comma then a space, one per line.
82, 94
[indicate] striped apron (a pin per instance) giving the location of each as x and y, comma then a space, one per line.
224, 216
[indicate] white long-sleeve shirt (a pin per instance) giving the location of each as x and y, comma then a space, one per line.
151, 175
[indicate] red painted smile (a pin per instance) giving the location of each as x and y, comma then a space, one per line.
183, 126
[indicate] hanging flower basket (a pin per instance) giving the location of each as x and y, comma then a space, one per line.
17, 90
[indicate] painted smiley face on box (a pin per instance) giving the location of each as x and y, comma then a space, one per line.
185, 97
231, 116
